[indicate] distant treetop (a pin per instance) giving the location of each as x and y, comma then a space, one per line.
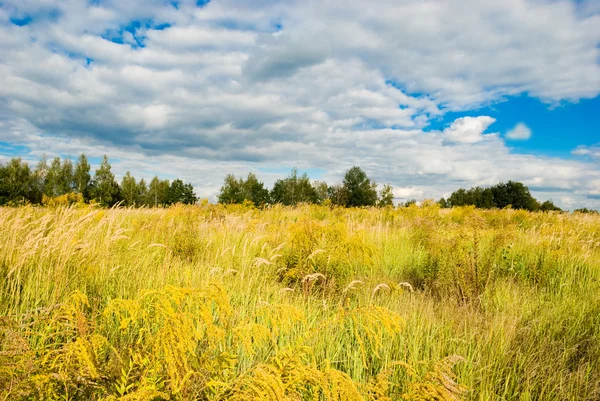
61, 182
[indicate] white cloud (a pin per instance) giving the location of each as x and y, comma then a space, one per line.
199, 38
568, 201
465, 52
469, 130
338, 84
408, 193
591, 151
519, 132
152, 117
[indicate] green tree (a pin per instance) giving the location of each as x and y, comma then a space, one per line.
322, 191
142, 193
293, 190
515, 195
231, 191
479, 197
15, 182
181, 193
255, 191
4, 185
237, 190
59, 177
82, 178
189, 196
39, 180
386, 196
549, 206
53, 179
129, 190
105, 188
66, 177
158, 192
458, 198
361, 191
338, 194
512, 193
486, 200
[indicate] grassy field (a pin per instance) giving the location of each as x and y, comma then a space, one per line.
215, 303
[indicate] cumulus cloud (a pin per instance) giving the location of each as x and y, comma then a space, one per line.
469, 129
591, 151
407, 193
519, 132
238, 85
463, 51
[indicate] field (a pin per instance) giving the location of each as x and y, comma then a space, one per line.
216, 303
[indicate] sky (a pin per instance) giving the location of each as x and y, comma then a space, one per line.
426, 95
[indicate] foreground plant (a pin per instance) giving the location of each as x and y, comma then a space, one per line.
213, 303
182, 343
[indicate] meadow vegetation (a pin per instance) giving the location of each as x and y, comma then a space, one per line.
215, 302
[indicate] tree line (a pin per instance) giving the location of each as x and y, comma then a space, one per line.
356, 190
67, 182
60, 181
510, 194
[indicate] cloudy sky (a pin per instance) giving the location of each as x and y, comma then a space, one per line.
427, 95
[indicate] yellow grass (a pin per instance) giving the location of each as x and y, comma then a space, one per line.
216, 303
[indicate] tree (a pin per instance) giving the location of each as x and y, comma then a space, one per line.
458, 198
39, 181
82, 177
15, 182
105, 188
53, 178
129, 190
181, 193
515, 195
443, 203
386, 196
4, 185
585, 210
59, 178
65, 180
237, 190
255, 191
231, 191
293, 190
158, 192
338, 194
189, 196
479, 197
361, 191
142, 193
486, 200
322, 191
549, 206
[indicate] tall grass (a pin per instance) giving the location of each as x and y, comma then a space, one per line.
212, 303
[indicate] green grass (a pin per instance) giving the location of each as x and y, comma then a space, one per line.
213, 302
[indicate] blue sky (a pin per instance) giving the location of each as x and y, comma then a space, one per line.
556, 129
428, 97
